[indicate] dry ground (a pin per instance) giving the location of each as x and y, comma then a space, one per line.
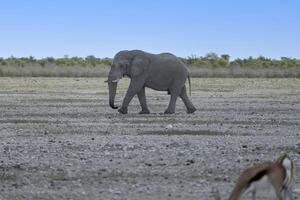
60, 140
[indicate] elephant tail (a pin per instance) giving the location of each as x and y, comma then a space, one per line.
190, 85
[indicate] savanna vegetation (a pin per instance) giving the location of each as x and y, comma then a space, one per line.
210, 65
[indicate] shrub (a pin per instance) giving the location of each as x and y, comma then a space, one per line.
210, 65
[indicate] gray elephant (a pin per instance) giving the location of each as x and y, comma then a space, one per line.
163, 72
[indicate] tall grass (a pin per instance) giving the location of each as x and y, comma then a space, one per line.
102, 71
236, 71
51, 70
210, 65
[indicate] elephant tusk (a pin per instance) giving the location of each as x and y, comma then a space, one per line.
115, 81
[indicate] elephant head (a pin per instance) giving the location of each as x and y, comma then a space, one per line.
125, 63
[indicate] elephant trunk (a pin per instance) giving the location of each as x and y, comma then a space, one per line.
112, 86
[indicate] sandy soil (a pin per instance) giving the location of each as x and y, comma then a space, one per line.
60, 140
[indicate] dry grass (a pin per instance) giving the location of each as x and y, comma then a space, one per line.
247, 72
102, 71
54, 71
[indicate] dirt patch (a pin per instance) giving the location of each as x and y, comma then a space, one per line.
60, 140
184, 132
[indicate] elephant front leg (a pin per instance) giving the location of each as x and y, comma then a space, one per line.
134, 87
143, 103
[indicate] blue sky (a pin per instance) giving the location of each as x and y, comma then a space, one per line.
102, 28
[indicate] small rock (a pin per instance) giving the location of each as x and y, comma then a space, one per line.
190, 161
169, 126
180, 153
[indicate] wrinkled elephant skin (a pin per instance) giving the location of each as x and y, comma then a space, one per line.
162, 72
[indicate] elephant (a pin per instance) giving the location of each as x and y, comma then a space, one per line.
162, 72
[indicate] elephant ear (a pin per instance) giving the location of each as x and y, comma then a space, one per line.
138, 66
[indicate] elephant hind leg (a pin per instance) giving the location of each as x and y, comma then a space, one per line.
183, 95
142, 99
174, 92
172, 103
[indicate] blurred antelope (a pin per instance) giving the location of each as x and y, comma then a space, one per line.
278, 175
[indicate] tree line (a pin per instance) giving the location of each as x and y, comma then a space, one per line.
65, 61
214, 60
209, 60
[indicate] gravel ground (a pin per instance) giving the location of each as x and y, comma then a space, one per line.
60, 140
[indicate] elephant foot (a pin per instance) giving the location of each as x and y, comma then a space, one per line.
122, 110
191, 110
144, 112
169, 112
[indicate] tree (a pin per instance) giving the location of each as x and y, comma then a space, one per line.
42, 62
106, 61
225, 57
31, 59
50, 59
92, 60
212, 56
